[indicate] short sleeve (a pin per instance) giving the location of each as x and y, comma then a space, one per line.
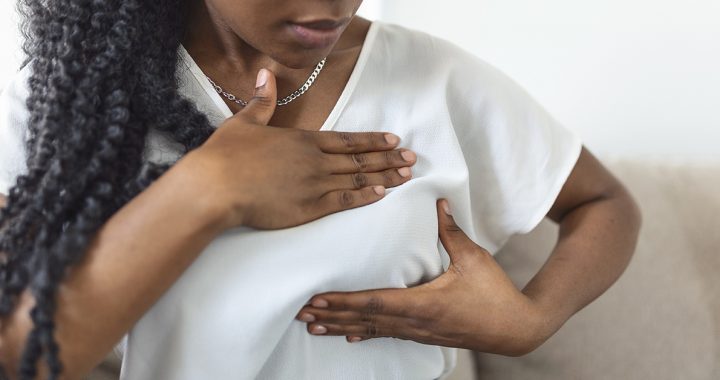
14, 118
518, 155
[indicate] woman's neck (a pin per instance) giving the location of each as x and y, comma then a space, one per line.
219, 51
208, 37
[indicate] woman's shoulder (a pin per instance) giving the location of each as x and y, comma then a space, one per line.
420, 60
425, 55
415, 43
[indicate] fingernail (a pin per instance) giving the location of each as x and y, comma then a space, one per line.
405, 172
391, 139
305, 317
408, 156
446, 207
262, 78
318, 329
355, 339
379, 190
320, 303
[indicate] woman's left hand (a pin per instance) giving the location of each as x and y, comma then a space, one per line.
473, 305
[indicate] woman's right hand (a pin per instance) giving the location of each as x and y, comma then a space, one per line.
270, 178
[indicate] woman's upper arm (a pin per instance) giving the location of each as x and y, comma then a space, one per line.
3, 200
589, 181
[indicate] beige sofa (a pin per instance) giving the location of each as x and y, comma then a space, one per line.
660, 320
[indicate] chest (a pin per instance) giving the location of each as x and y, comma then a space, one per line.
390, 243
242, 294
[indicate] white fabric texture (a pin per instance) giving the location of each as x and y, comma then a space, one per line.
13, 121
482, 142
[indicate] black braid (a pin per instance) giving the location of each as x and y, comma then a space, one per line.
103, 73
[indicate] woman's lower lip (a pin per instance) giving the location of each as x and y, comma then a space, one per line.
315, 38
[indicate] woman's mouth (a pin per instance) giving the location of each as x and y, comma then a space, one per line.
317, 34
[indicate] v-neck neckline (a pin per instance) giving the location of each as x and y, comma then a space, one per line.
347, 92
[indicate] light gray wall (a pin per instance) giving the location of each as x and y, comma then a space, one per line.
635, 78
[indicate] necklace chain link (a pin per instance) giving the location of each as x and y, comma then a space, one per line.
296, 94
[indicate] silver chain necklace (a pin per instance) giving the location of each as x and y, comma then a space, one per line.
309, 82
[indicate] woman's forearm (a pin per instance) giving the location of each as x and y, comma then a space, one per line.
595, 245
134, 258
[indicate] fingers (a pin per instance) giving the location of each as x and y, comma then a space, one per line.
370, 323
355, 142
367, 315
361, 189
312, 314
451, 235
390, 301
340, 200
387, 178
358, 170
453, 238
386, 326
370, 162
261, 107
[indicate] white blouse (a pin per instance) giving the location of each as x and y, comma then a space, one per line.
482, 142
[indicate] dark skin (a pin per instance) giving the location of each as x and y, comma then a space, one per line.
231, 59
145, 246
142, 250
474, 304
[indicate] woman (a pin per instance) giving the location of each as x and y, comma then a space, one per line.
147, 200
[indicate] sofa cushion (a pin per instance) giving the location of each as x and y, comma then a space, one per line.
661, 319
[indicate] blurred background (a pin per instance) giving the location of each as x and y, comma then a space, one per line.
635, 78
639, 81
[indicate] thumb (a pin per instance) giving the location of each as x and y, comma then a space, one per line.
261, 107
455, 241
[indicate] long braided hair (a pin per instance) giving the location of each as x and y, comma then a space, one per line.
103, 73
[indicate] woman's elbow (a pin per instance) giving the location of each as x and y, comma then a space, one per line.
631, 212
